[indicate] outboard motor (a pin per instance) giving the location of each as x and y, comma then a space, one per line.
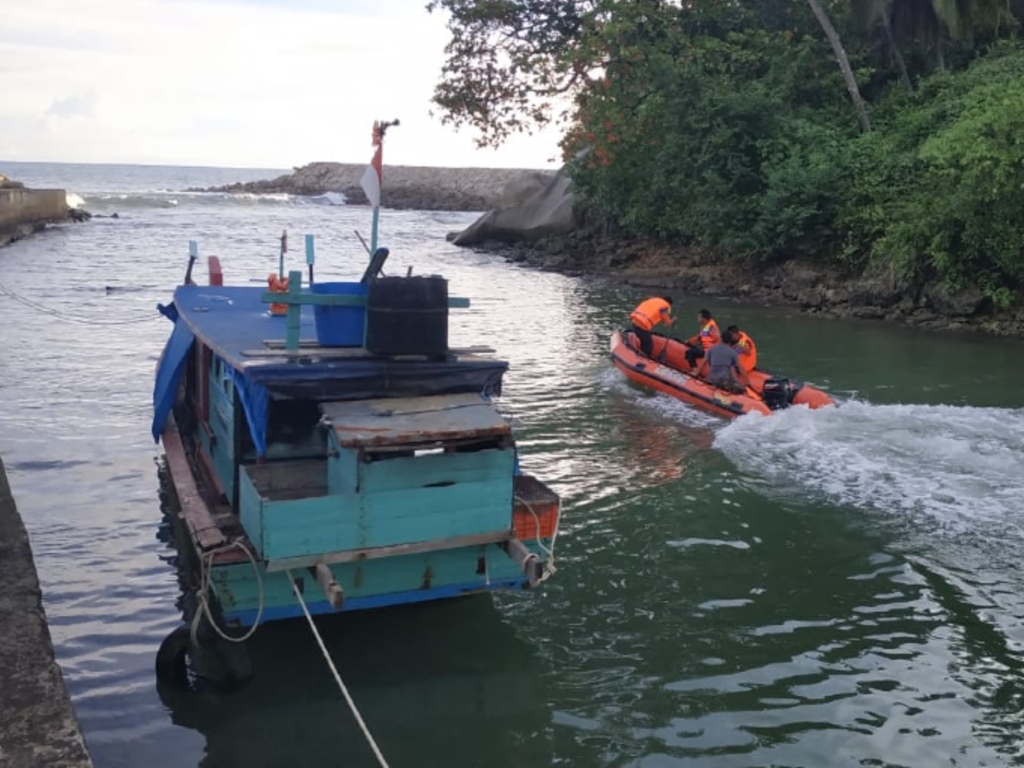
777, 392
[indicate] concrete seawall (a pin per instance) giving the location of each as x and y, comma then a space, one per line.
38, 727
24, 211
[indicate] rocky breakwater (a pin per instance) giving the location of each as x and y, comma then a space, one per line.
24, 211
405, 186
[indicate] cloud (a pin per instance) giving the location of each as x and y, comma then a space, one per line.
232, 82
74, 106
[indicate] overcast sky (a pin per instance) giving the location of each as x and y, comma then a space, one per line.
241, 83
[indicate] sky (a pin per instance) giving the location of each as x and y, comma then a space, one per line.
235, 83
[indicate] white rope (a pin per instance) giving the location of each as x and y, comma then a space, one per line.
337, 677
549, 565
202, 595
4, 290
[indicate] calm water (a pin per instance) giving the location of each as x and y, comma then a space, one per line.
839, 588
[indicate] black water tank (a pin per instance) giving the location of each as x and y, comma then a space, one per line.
407, 316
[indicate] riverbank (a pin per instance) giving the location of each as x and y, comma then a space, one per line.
406, 187
38, 727
809, 287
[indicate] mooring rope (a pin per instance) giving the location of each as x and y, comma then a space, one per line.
203, 594
337, 677
549, 566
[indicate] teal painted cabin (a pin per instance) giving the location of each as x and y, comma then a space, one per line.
362, 476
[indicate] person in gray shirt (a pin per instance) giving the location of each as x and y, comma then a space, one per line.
721, 364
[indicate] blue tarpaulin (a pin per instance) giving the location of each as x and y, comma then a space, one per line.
256, 402
168, 375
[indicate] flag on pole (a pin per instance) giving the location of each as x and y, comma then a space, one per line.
373, 176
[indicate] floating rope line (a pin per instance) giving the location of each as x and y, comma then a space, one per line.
337, 677
4, 290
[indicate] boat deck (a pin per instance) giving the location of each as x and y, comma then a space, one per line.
235, 323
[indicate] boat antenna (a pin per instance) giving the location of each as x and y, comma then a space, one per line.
284, 250
193, 254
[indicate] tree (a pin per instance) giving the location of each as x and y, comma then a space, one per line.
844, 63
508, 60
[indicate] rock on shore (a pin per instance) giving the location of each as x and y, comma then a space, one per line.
405, 187
814, 289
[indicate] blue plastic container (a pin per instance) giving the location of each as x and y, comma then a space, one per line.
340, 326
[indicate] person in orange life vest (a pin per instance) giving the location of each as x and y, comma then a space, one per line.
709, 335
721, 363
745, 346
648, 314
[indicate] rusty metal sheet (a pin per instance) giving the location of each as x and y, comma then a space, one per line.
413, 420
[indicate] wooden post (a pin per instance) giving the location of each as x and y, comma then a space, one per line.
527, 560
310, 256
284, 250
213, 267
332, 589
294, 309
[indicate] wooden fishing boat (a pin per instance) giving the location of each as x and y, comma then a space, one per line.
330, 453
668, 371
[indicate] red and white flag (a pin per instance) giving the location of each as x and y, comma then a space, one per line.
373, 176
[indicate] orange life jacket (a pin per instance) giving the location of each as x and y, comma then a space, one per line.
748, 351
278, 285
709, 335
649, 313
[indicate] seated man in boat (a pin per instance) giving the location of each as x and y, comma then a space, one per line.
721, 363
708, 335
648, 314
746, 347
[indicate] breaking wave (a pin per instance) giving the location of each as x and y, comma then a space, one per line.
105, 202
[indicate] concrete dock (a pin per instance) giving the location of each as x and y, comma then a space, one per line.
38, 727
24, 211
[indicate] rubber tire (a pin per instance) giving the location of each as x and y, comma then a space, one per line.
223, 666
172, 658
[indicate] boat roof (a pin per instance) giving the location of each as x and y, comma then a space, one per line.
373, 423
234, 322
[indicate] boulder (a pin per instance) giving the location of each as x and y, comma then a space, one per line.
538, 206
6, 183
963, 303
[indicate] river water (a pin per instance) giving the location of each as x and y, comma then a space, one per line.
831, 588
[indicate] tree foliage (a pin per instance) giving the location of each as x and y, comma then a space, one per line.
728, 125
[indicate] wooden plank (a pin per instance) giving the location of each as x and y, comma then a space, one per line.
375, 553
202, 527
332, 590
412, 420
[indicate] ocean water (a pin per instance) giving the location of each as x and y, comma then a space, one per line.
830, 588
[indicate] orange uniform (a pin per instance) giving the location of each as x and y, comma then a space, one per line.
650, 313
748, 351
709, 334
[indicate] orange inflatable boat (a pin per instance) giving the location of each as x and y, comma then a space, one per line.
669, 372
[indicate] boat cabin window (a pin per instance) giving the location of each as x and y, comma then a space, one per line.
293, 432
221, 376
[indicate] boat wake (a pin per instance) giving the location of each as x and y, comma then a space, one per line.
957, 466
